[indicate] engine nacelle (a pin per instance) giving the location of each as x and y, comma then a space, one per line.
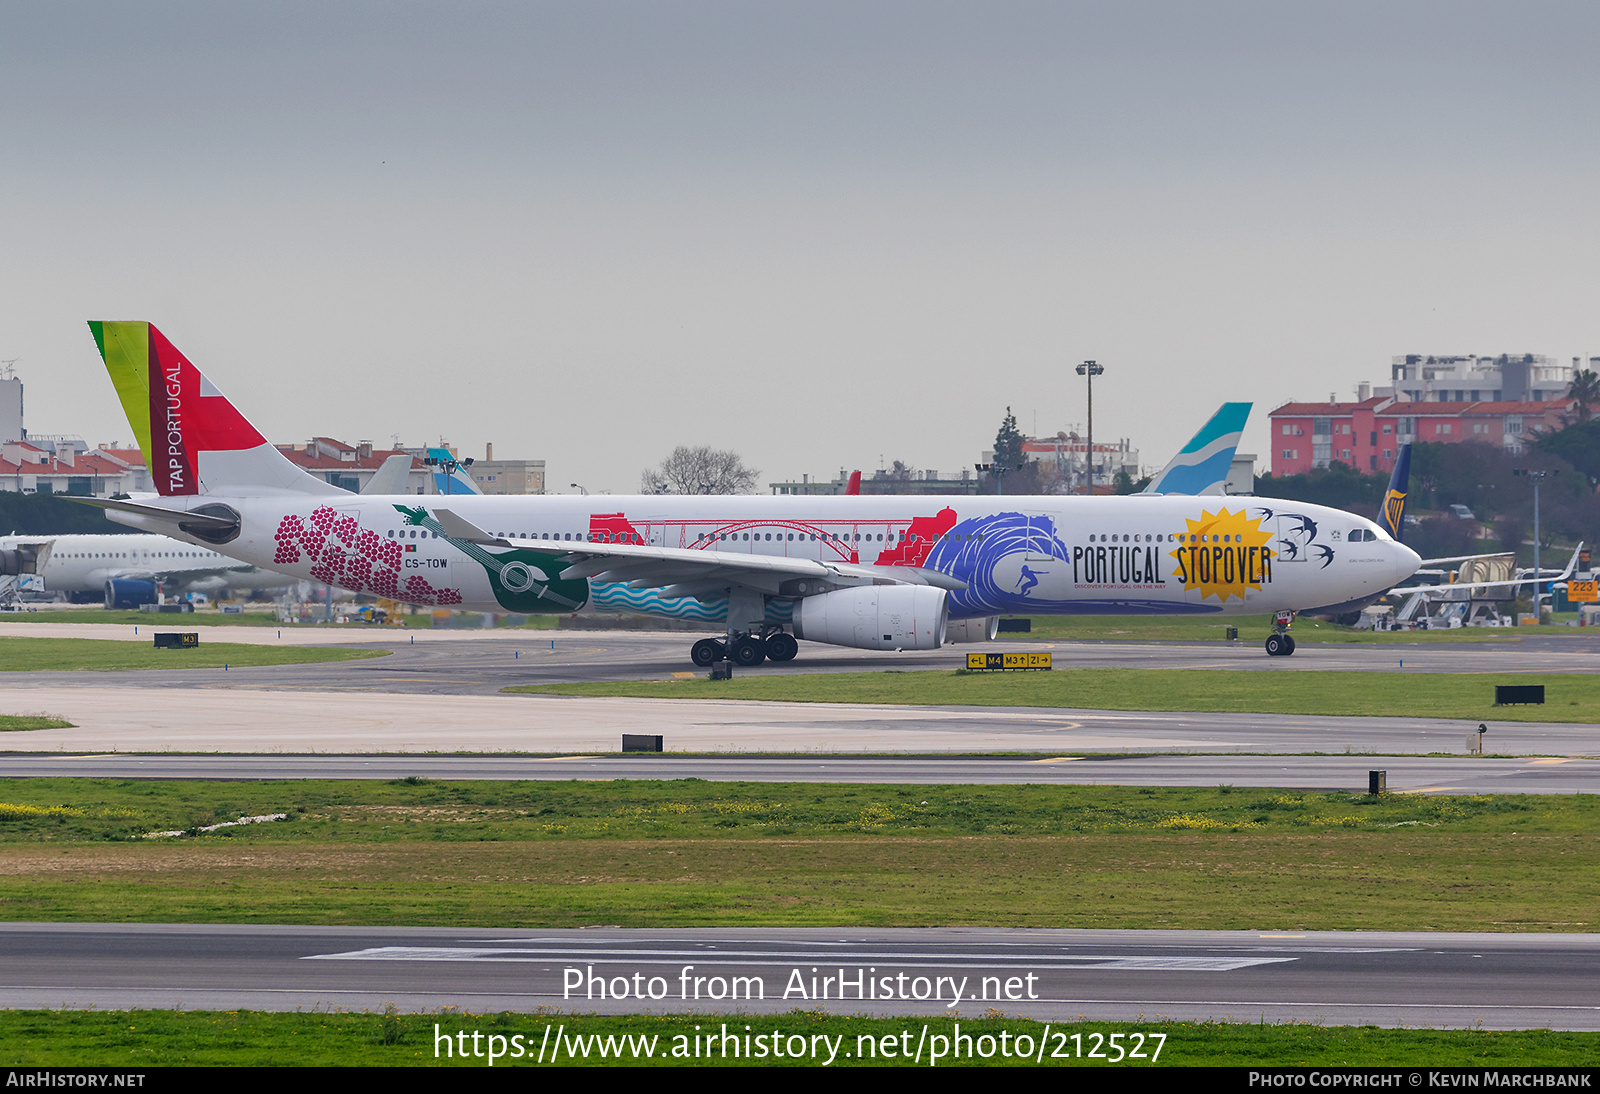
981, 629
129, 594
875, 617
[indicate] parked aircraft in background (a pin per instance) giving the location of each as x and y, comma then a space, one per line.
1201, 467
127, 570
878, 572
449, 474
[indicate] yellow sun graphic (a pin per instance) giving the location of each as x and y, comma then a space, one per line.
1223, 554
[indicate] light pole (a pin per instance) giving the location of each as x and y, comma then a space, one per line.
1089, 370
580, 489
1538, 586
451, 466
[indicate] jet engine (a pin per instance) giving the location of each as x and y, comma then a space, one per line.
24, 559
129, 593
875, 617
981, 629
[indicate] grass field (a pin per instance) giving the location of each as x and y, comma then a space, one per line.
164, 1038
1469, 696
11, 722
79, 654
1253, 630
691, 853
179, 621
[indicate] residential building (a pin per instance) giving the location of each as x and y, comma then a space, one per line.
1508, 377
1367, 434
507, 476
350, 466
64, 468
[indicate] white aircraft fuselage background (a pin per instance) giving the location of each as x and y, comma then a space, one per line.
83, 563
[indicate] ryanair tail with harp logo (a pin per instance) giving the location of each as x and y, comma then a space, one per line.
1393, 514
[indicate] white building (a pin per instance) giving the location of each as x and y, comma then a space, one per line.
1507, 378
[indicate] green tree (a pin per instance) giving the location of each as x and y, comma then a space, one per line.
1008, 443
1011, 466
1578, 444
1585, 389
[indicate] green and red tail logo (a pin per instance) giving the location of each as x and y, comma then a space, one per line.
175, 412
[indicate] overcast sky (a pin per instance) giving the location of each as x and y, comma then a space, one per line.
820, 234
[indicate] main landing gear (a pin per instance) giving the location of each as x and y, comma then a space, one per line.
1280, 643
747, 650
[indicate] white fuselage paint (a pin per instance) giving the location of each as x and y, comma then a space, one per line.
1039, 555
84, 563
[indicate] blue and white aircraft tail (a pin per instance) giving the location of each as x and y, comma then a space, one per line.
1202, 466
449, 475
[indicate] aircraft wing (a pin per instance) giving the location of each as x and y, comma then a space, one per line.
1461, 558
679, 571
1572, 565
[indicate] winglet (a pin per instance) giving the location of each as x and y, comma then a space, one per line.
1392, 516
854, 486
1203, 464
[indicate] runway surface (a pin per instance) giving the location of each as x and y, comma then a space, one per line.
1488, 775
1393, 979
441, 694
119, 718
434, 708
481, 662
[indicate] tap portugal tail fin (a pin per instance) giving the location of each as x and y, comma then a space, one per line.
193, 439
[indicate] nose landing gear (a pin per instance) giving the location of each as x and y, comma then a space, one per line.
1280, 643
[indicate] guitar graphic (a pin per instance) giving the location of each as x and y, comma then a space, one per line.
523, 581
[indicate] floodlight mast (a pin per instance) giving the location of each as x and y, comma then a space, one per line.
1538, 586
1089, 370
451, 466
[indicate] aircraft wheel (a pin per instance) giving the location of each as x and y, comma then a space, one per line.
1276, 645
1289, 641
782, 647
747, 652
706, 651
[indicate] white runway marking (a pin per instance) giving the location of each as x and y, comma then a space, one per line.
1134, 962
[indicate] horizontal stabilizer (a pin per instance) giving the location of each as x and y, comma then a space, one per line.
214, 527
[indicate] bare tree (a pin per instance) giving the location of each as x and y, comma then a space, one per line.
701, 470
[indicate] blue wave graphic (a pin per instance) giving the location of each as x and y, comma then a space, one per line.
619, 598
975, 547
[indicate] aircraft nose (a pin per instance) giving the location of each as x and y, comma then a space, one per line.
1406, 562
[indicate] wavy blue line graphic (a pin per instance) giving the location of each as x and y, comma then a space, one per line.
619, 598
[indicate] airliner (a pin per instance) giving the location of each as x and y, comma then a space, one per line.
764, 572
128, 569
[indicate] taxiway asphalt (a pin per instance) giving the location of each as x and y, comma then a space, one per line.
1491, 981
441, 694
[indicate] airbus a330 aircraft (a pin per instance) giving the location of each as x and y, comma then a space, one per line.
128, 569
880, 572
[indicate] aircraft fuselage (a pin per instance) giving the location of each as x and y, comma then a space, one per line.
1028, 555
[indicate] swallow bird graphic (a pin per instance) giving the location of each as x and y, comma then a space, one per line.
1308, 527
